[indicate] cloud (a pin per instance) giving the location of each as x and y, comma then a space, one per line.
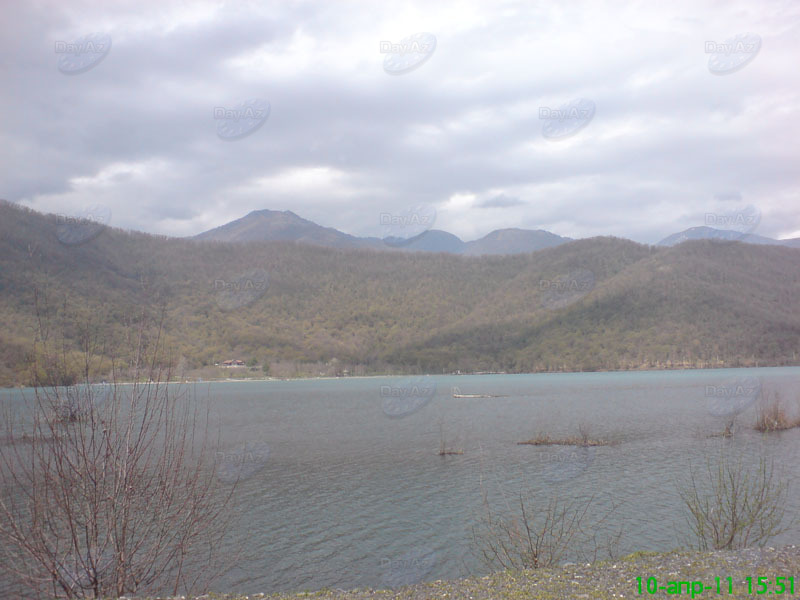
345, 141
501, 201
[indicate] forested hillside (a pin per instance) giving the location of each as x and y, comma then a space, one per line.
600, 303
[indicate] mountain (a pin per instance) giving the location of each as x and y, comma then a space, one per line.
591, 304
433, 240
271, 225
514, 241
709, 233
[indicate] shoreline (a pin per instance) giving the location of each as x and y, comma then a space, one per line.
601, 580
333, 377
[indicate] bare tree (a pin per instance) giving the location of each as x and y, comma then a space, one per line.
542, 534
109, 491
542, 531
732, 507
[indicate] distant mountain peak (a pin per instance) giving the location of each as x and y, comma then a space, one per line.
709, 233
266, 212
272, 225
514, 241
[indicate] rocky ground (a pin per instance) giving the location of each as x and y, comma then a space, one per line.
601, 580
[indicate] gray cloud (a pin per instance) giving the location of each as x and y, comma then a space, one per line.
501, 201
345, 142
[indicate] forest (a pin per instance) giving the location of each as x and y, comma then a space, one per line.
291, 309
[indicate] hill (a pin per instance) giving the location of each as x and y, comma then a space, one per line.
514, 241
599, 303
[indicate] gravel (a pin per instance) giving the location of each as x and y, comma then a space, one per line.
600, 580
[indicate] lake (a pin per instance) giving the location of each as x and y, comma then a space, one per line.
342, 485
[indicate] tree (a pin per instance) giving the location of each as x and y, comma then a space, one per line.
732, 507
542, 534
534, 530
109, 491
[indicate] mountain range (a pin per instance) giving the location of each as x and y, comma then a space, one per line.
709, 233
600, 303
272, 225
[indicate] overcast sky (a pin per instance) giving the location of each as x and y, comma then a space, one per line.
670, 128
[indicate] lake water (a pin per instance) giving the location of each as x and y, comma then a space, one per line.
342, 485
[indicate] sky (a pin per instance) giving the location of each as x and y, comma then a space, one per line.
583, 118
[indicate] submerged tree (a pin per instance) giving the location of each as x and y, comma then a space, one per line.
532, 529
731, 506
543, 533
108, 490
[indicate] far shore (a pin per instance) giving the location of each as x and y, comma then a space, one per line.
458, 374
